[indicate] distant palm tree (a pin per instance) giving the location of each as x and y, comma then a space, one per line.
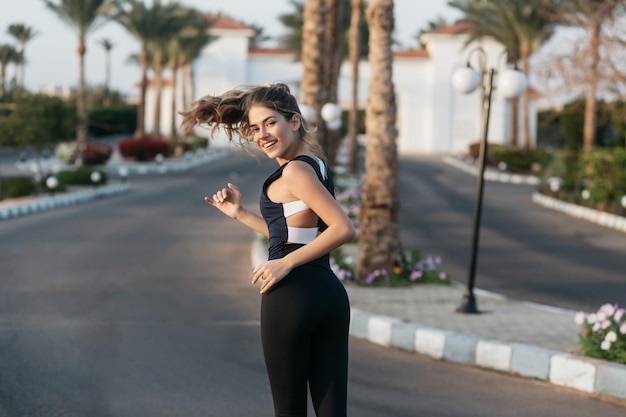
135, 17
521, 26
167, 20
8, 55
23, 34
195, 32
83, 16
189, 51
107, 45
379, 242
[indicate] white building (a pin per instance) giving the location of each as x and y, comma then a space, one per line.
432, 117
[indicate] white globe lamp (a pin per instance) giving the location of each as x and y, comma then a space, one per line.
512, 83
465, 80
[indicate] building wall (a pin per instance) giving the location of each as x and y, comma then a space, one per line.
431, 116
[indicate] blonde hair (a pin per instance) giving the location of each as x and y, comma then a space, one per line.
229, 112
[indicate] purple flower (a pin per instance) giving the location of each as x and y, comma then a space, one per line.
442, 276
415, 275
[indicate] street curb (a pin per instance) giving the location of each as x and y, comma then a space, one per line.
589, 375
490, 174
602, 218
61, 200
165, 168
584, 374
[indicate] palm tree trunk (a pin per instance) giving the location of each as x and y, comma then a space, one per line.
3, 80
312, 58
332, 67
379, 242
524, 100
589, 129
81, 107
174, 72
353, 121
141, 108
158, 89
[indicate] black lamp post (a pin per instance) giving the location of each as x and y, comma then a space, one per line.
512, 84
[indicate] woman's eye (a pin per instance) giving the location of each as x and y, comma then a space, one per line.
271, 123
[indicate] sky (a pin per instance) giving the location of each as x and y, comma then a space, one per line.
52, 59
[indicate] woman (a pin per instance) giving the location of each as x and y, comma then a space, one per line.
304, 309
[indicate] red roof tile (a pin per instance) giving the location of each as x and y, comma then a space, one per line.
225, 22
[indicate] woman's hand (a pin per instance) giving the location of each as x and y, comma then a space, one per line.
227, 200
271, 272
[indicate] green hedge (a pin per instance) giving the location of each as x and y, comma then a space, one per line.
14, 187
104, 121
81, 176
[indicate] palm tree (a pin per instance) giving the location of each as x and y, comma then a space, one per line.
379, 243
167, 21
23, 34
189, 51
135, 17
191, 39
8, 55
107, 45
521, 26
83, 16
354, 48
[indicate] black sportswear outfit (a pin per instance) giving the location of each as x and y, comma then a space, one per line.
304, 324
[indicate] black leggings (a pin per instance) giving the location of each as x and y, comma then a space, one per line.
304, 331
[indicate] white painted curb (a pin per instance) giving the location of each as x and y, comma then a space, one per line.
61, 200
558, 368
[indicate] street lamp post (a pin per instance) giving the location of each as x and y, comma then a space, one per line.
512, 83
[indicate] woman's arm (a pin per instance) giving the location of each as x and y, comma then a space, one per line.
302, 182
228, 201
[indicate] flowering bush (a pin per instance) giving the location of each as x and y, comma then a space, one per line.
603, 333
415, 269
94, 154
143, 149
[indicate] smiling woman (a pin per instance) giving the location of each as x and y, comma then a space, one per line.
305, 311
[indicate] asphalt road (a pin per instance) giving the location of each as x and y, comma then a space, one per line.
140, 305
526, 251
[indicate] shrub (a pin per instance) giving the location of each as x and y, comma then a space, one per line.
97, 153
112, 120
81, 176
13, 187
66, 152
143, 149
603, 334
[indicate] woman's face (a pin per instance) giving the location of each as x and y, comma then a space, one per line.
276, 136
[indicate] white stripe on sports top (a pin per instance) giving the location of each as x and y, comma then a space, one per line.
301, 235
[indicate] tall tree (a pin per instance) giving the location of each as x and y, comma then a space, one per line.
8, 55
194, 32
22, 34
379, 243
353, 119
189, 51
108, 46
135, 17
521, 26
167, 20
592, 16
83, 16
